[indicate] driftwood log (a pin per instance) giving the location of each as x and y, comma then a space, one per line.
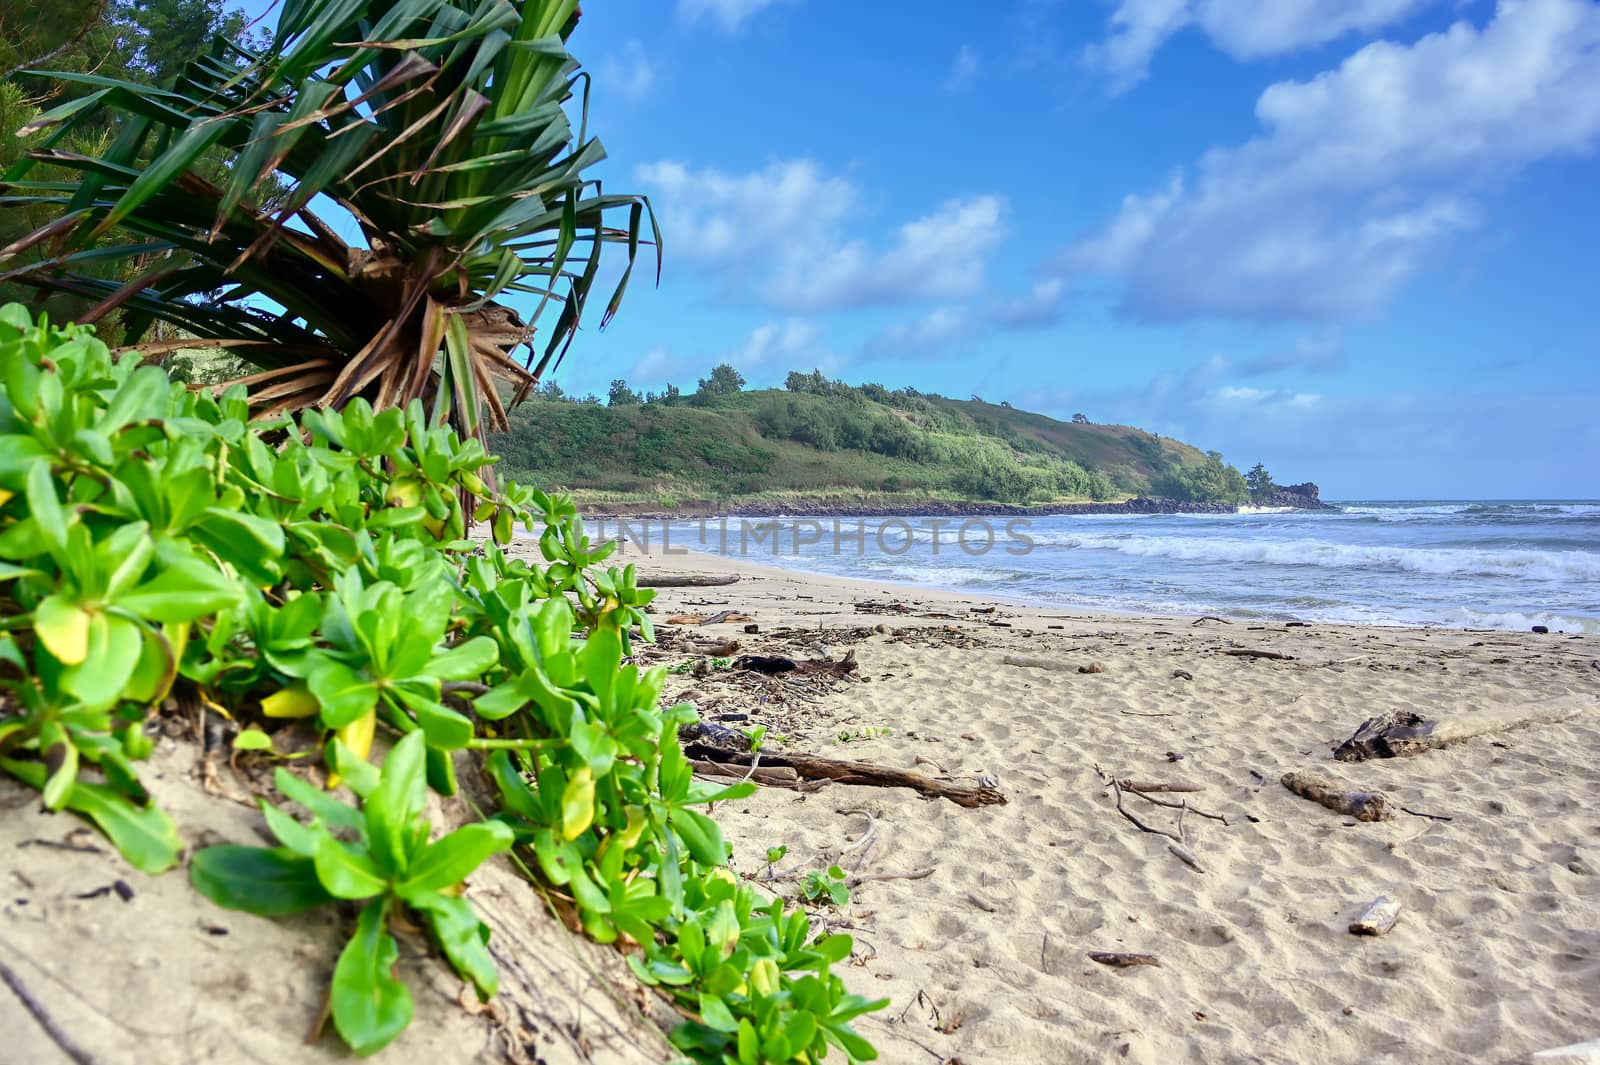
1251, 652
1400, 732
811, 767
1377, 919
1361, 805
687, 580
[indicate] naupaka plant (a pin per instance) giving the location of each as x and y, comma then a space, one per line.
312, 573
380, 855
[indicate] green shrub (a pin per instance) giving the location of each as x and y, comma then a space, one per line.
154, 538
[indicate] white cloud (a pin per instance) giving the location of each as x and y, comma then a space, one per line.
630, 74
931, 332
780, 234
1245, 29
717, 217
938, 255
964, 70
1261, 399
1359, 173
779, 342
730, 13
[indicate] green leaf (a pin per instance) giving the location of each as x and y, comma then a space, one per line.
346, 872
342, 693
252, 739
186, 590
701, 836
45, 507
146, 837
448, 861
269, 883
323, 807
360, 775
462, 937
370, 1006
466, 661
113, 651
397, 803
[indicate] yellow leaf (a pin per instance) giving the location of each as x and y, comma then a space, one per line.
358, 737
577, 804
6, 497
63, 628
405, 492
293, 701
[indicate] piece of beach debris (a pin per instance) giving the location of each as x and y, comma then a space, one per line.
1092, 667
811, 767
714, 648
981, 609
874, 606
1119, 960
1401, 732
707, 619
1361, 805
752, 628
1036, 662
771, 776
1576, 1054
1210, 617
1542, 630
1377, 918
1183, 855
1182, 674
772, 665
687, 580
1253, 652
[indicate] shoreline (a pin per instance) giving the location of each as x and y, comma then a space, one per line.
978, 922
822, 507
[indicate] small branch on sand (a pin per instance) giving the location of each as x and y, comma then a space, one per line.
863, 878
1119, 960
1135, 713
1400, 732
57, 1034
1251, 652
1210, 617
1184, 805
1147, 787
1419, 813
687, 580
1361, 805
1116, 788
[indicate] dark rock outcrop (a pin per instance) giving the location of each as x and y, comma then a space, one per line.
1300, 496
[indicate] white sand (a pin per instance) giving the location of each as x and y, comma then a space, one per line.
1497, 951
1496, 955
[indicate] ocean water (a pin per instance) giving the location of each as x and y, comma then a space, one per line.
1464, 564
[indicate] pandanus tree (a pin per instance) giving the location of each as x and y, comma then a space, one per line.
438, 129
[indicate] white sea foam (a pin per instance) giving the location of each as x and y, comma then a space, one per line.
1441, 561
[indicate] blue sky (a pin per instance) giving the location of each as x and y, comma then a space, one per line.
1353, 239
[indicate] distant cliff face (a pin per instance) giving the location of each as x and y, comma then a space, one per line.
1301, 496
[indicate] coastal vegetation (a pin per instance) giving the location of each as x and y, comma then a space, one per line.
312, 576
291, 552
821, 438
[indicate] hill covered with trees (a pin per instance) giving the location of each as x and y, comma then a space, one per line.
823, 439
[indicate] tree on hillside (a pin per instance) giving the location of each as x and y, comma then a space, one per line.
1260, 483
724, 381
621, 395
1080, 419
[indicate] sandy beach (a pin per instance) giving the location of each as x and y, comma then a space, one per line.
1496, 954
977, 922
